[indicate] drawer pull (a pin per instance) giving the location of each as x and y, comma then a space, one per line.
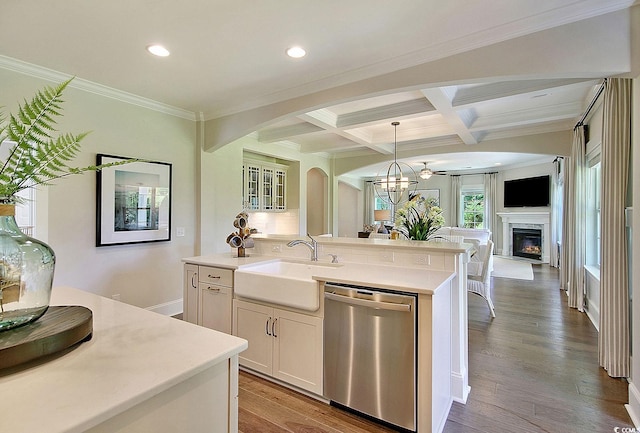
214, 276
213, 289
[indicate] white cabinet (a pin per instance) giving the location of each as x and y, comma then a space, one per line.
208, 294
264, 186
190, 294
283, 344
216, 295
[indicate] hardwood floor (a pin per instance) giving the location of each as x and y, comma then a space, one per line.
534, 368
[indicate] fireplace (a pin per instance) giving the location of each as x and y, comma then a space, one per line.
538, 221
527, 243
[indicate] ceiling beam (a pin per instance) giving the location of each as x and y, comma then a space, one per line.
465, 96
440, 100
399, 110
271, 135
327, 120
569, 110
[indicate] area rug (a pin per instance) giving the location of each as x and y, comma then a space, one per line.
504, 267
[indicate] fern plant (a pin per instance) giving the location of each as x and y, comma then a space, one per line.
35, 156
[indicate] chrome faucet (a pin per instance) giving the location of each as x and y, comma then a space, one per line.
313, 246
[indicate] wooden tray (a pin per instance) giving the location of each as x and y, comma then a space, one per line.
58, 329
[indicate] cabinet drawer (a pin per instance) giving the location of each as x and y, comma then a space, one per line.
219, 276
215, 288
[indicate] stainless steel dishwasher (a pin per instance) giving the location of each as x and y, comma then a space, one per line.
370, 352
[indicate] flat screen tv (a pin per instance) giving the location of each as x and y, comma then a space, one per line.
527, 192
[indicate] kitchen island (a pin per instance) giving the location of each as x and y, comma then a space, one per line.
140, 371
436, 272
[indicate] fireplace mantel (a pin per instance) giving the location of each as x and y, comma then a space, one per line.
541, 219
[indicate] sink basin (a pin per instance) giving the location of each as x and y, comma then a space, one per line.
280, 282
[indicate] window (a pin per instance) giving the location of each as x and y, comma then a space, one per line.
26, 211
381, 204
593, 211
473, 209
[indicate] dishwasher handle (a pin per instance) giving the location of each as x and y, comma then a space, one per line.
367, 303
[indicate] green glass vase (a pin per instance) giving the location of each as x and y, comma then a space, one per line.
26, 272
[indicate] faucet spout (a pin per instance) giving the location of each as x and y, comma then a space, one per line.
313, 246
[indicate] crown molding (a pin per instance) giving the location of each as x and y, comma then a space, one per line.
47, 74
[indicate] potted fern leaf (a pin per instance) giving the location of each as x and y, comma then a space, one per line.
35, 157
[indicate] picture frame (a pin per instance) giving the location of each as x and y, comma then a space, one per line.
133, 202
427, 193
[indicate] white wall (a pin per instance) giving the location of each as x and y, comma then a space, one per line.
350, 211
443, 184
317, 202
143, 274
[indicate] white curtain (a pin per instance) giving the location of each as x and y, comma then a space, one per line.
614, 285
456, 185
574, 237
369, 202
490, 202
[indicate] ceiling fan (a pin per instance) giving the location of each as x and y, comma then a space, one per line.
426, 172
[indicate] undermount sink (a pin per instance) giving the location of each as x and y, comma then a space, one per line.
281, 282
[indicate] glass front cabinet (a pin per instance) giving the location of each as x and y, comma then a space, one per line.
264, 186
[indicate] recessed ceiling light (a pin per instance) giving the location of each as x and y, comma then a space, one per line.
296, 52
158, 50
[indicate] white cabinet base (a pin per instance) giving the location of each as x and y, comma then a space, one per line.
199, 404
282, 344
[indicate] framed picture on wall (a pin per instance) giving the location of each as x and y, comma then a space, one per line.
426, 194
133, 202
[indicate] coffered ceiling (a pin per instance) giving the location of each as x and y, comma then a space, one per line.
228, 61
439, 117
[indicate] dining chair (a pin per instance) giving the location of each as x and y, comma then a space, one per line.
481, 284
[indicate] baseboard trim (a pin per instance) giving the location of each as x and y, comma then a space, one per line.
170, 308
633, 408
459, 389
593, 313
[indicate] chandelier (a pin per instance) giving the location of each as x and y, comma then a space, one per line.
391, 185
425, 173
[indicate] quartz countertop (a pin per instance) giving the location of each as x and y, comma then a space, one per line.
134, 354
404, 279
374, 243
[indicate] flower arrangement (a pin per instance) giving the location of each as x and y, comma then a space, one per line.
368, 228
419, 219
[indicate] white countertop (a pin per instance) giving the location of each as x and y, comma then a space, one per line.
405, 279
451, 247
412, 280
134, 354
226, 260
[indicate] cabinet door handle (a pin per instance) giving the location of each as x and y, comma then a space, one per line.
266, 328
273, 328
213, 289
215, 277
193, 278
